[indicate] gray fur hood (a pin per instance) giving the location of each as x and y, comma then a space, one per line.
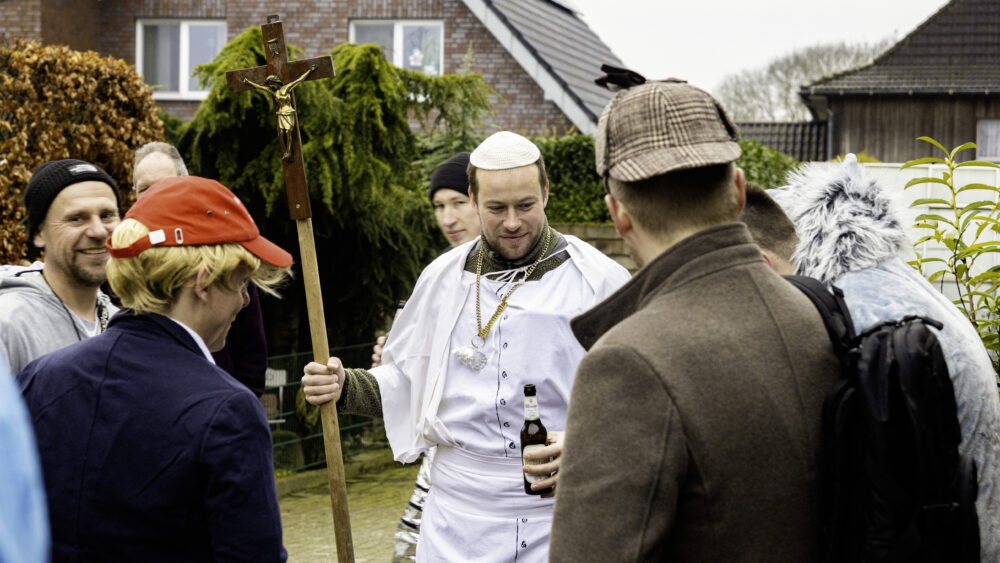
844, 220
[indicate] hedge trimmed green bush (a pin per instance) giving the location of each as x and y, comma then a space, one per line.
763, 166
576, 193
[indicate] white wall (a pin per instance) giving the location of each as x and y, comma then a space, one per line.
890, 177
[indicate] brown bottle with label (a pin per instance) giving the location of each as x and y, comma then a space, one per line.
533, 436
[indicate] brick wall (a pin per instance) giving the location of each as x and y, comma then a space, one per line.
75, 23
21, 20
313, 26
604, 238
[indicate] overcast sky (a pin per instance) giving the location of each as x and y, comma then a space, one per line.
702, 41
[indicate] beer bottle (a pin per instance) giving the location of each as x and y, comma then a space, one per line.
533, 436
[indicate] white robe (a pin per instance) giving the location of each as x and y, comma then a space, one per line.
477, 507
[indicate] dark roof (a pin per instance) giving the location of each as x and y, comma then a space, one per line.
563, 43
955, 51
804, 141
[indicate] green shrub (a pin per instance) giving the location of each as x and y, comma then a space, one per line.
371, 217
764, 166
961, 228
59, 103
576, 193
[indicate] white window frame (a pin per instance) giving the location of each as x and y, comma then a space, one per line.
980, 154
397, 37
184, 37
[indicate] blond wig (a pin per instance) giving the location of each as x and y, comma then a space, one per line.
149, 281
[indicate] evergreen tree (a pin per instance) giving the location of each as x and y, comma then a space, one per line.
372, 219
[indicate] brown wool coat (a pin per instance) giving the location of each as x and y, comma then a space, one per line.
694, 420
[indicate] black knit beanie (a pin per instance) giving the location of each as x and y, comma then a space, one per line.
451, 175
51, 178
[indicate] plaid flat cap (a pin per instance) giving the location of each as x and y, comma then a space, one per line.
659, 127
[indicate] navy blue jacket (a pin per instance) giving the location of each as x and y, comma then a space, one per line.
150, 452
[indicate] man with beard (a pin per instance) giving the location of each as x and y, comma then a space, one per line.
72, 209
484, 320
459, 223
149, 451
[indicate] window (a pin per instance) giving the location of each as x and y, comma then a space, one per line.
412, 44
166, 52
988, 139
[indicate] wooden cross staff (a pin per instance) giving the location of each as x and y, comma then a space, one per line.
278, 78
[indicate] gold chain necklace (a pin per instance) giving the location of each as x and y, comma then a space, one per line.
483, 331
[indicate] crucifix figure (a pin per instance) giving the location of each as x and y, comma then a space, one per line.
276, 77
283, 109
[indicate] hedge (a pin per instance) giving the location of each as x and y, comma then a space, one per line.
59, 103
576, 193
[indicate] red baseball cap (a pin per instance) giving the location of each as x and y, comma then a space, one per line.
188, 210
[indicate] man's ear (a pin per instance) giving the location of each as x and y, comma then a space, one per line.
545, 194
619, 215
200, 287
38, 239
767, 258
740, 184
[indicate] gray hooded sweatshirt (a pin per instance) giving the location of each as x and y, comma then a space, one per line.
850, 235
33, 321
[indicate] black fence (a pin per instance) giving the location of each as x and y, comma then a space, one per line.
295, 426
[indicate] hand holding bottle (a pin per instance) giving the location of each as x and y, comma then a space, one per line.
545, 463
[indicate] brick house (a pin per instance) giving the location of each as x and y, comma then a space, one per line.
537, 54
942, 80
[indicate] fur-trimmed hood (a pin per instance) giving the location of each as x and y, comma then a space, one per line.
844, 220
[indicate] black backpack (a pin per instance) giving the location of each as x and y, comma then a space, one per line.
892, 485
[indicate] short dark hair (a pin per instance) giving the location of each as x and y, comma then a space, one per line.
769, 225
543, 179
694, 197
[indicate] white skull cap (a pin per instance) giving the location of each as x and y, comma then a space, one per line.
504, 150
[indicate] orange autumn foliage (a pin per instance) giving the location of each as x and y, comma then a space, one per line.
58, 103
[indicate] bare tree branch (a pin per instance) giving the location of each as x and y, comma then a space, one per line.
771, 92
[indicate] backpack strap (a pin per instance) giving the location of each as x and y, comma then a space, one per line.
832, 308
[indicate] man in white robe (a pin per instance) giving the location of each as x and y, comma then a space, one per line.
441, 383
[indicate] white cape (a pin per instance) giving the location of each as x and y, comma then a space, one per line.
415, 358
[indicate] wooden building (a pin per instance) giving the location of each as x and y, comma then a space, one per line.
941, 81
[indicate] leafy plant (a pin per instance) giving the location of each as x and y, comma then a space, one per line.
861, 156
372, 220
576, 193
965, 230
59, 103
764, 166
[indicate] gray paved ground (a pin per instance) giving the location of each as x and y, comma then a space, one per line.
375, 500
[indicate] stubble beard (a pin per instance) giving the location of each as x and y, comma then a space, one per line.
521, 251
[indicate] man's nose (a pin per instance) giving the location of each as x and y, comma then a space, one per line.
511, 220
97, 229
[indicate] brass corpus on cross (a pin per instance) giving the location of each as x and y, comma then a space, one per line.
283, 108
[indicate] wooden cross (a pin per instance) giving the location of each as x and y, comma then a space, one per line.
279, 68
